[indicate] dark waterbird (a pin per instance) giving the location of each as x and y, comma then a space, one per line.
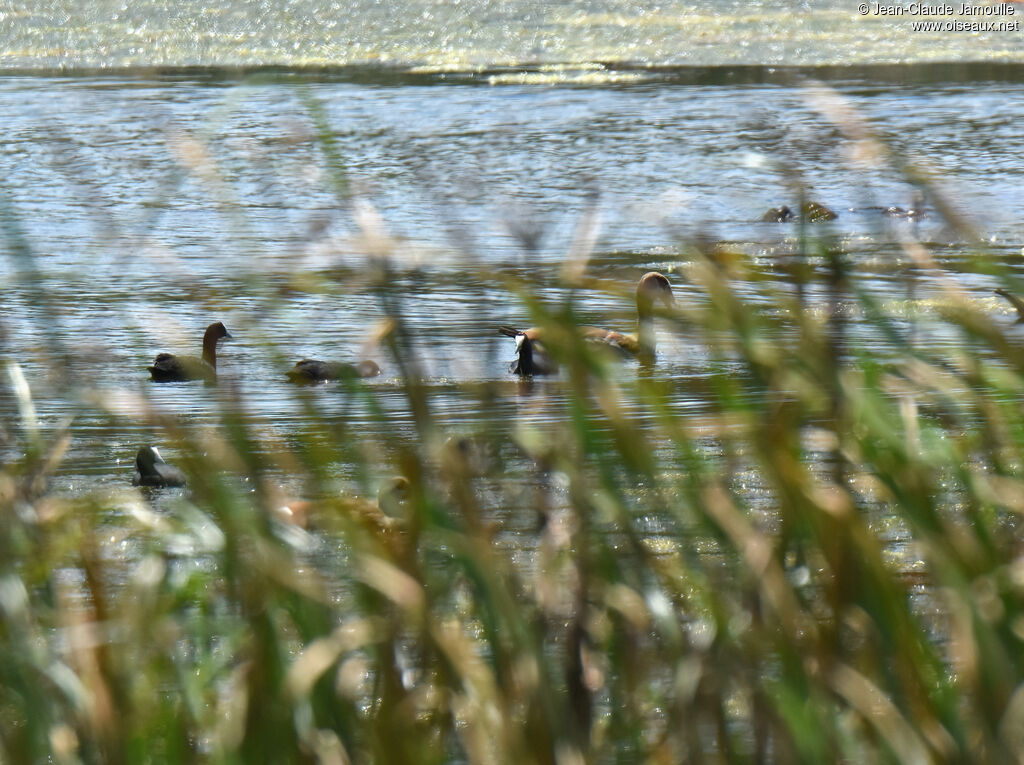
170, 368
311, 371
811, 211
652, 288
779, 215
151, 470
531, 358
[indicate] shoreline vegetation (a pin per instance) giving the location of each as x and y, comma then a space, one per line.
824, 565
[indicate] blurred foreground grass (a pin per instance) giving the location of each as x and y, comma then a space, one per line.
665, 614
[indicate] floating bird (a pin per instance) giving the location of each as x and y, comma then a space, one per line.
531, 357
653, 287
151, 470
389, 513
385, 516
778, 215
811, 211
311, 371
387, 520
815, 212
1015, 301
170, 368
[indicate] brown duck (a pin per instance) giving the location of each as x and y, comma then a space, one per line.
311, 371
170, 368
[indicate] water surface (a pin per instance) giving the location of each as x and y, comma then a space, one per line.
142, 208
472, 34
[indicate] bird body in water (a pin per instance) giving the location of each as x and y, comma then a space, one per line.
151, 470
170, 368
311, 371
652, 288
531, 357
810, 211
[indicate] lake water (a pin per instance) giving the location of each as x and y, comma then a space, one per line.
467, 34
141, 204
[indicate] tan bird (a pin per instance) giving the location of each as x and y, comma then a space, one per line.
170, 368
311, 371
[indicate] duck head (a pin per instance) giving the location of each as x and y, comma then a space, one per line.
146, 459
532, 360
215, 332
151, 470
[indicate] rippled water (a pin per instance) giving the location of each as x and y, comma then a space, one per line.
466, 34
150, 206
